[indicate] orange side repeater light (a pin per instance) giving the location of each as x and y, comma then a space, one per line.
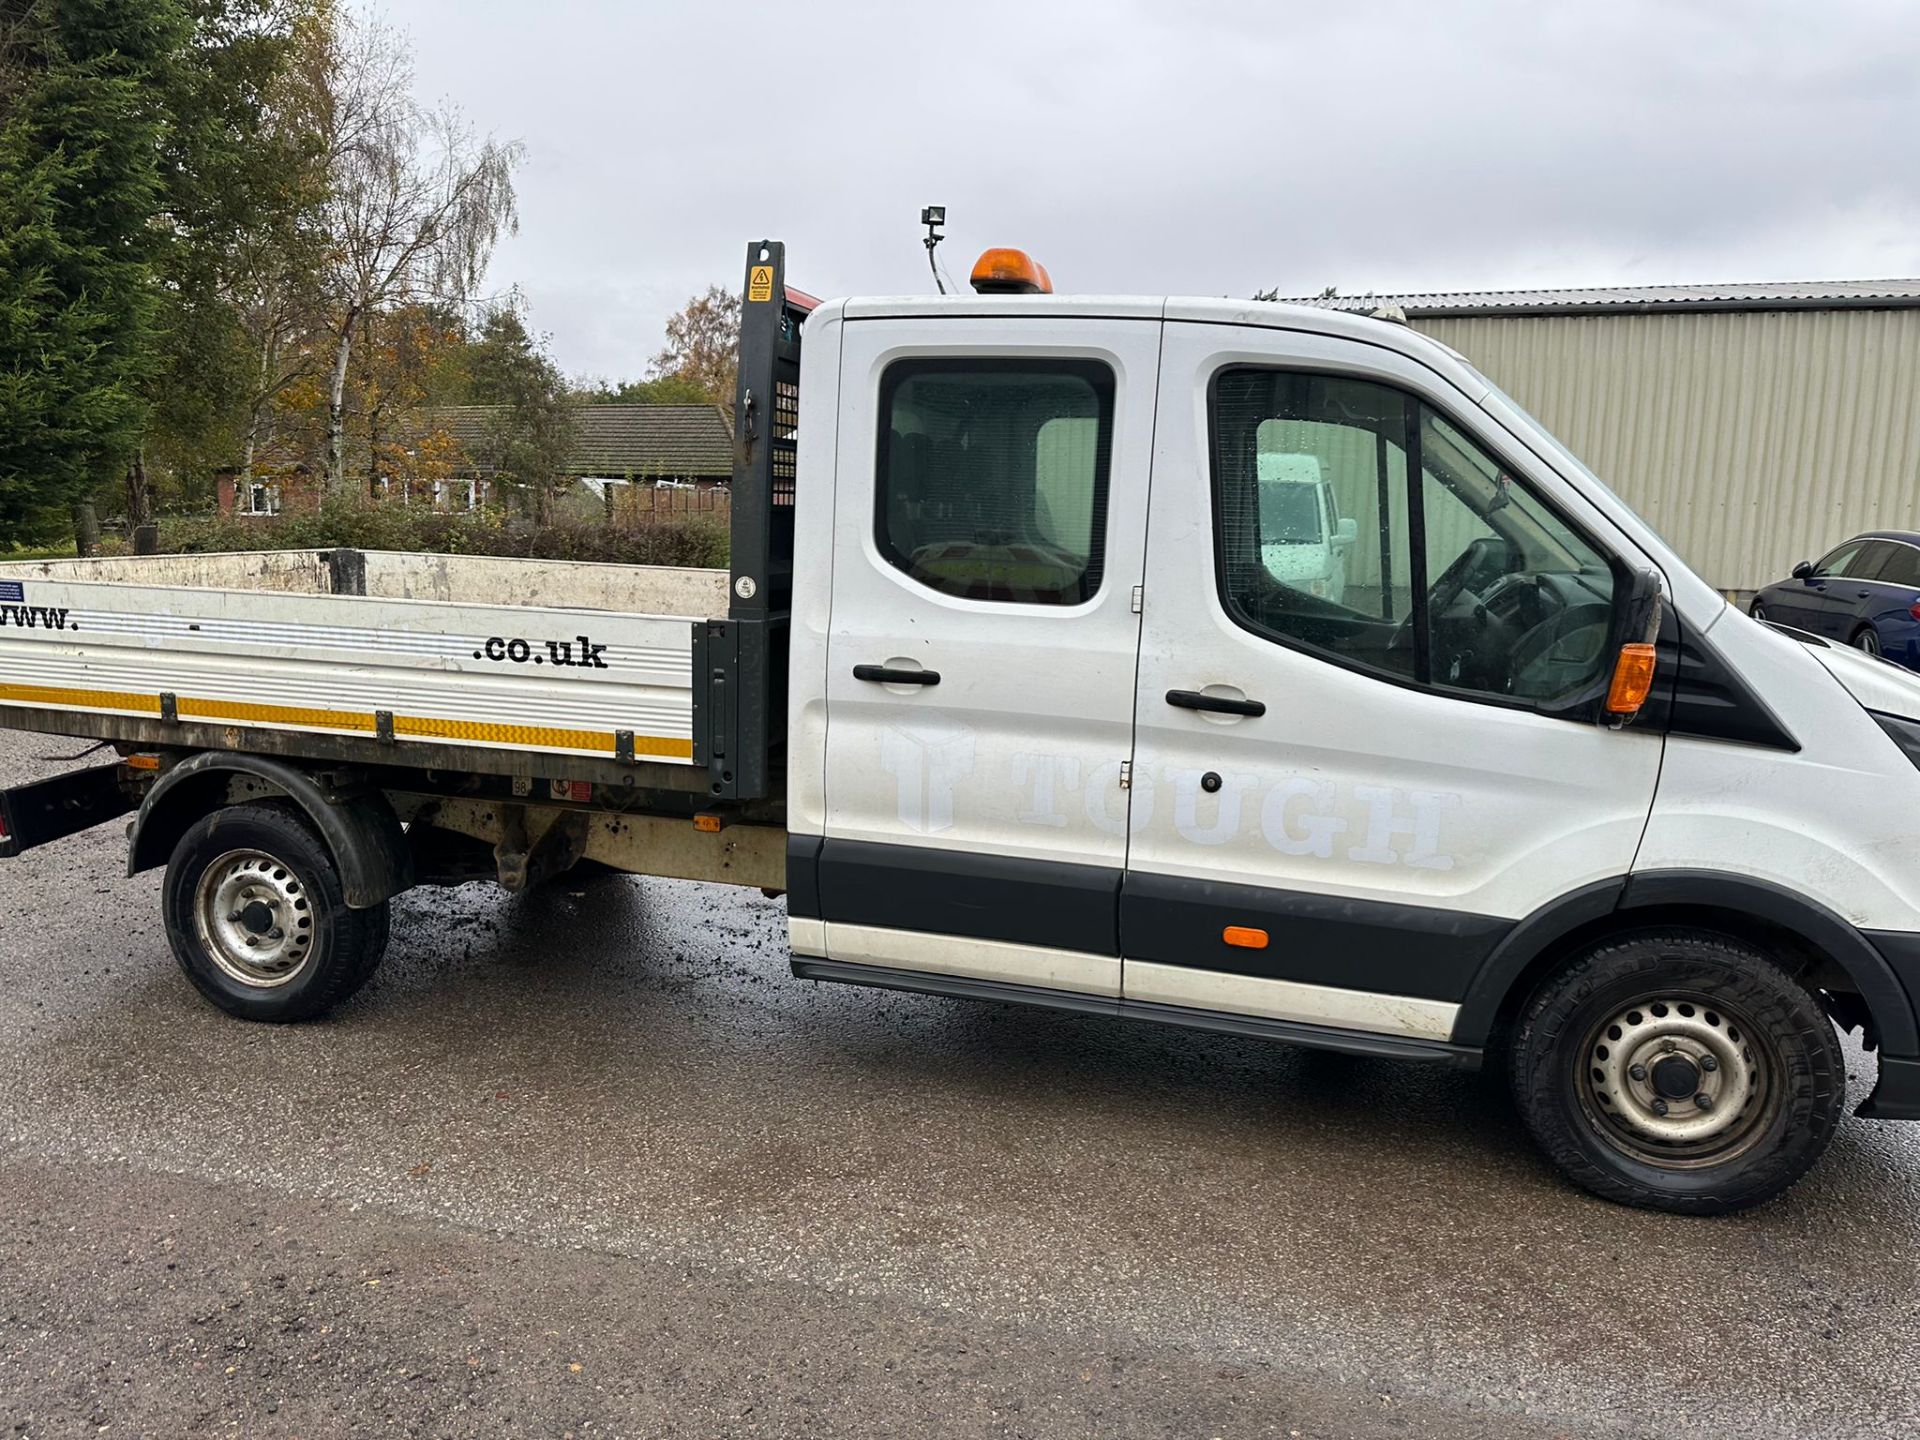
1244, 937
1632, 680
1005, 271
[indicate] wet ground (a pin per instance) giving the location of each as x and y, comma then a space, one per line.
595, 1164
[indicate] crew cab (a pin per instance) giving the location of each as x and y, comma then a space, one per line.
1012, 689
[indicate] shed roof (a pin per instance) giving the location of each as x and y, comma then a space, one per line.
1627, 299
613, 440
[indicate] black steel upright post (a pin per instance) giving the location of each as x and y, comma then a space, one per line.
740, 662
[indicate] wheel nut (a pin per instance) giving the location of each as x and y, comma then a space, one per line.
1659, 1106
233, 918
1638, 1072
1703, 1101
1709, 1064
276, 935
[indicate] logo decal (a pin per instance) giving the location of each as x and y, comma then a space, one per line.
927, 762
35, 617
558, 652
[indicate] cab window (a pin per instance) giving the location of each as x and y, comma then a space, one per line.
1356, 522
992, 477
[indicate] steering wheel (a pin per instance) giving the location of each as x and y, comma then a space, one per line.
1536, 647
1486, 557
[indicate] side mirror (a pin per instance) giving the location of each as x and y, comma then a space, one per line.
1346, 531
1803, 571
1635, 660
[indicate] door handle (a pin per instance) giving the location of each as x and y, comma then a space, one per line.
1863, 594
1194, 700
888, 675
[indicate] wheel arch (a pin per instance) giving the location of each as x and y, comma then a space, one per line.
1758, 911
360, 828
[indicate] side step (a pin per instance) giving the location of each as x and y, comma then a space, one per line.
1320, 1037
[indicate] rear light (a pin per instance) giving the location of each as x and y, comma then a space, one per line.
1914, 609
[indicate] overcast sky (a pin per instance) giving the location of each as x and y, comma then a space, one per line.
1192, 147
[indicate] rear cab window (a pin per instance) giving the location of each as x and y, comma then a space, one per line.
992, 477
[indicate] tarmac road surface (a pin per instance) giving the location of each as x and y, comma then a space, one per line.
595, 1165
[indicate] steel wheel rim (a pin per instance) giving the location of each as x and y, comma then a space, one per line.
254, 919
1647, 1067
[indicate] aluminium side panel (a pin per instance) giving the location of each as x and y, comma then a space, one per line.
567, 682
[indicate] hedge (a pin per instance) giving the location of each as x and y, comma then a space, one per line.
697, 540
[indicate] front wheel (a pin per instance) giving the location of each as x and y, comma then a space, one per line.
1868, 640
1680, 1071
258, 919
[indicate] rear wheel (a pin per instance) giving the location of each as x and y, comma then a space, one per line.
1681, 1071
1868, 639
258, 919
1757, 610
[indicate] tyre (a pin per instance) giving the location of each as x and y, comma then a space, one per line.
1868, 640
1758, 611
258, 919
1678, 1070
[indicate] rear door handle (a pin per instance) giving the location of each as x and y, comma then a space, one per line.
887, 675
1194, 700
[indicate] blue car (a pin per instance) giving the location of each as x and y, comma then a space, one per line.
1865, 593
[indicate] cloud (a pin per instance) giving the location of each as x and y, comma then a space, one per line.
1203, 148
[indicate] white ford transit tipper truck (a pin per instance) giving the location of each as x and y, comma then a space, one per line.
1003, 693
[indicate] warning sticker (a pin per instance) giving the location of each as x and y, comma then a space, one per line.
760, 283
13, 590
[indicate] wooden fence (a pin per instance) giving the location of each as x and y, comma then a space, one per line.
651, 505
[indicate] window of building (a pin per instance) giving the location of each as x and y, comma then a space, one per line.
1356, 522
260, 498
992, 477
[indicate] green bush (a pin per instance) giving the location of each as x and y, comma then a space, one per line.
697, 540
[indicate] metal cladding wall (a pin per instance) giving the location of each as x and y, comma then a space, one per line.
1750, 439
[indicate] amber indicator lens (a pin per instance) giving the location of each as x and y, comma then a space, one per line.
1632, 680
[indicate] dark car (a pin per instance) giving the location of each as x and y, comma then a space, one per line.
1864, 593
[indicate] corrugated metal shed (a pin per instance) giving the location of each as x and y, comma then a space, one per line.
681, 442
1615, 299
1752, 425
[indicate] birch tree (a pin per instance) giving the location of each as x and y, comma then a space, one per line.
416, 203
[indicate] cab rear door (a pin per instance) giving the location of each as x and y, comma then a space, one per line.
990, 529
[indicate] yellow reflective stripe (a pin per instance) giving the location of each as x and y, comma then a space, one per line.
536, 736
533, 737
81, 699
298, 715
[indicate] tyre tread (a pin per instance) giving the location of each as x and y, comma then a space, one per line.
1776, 998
